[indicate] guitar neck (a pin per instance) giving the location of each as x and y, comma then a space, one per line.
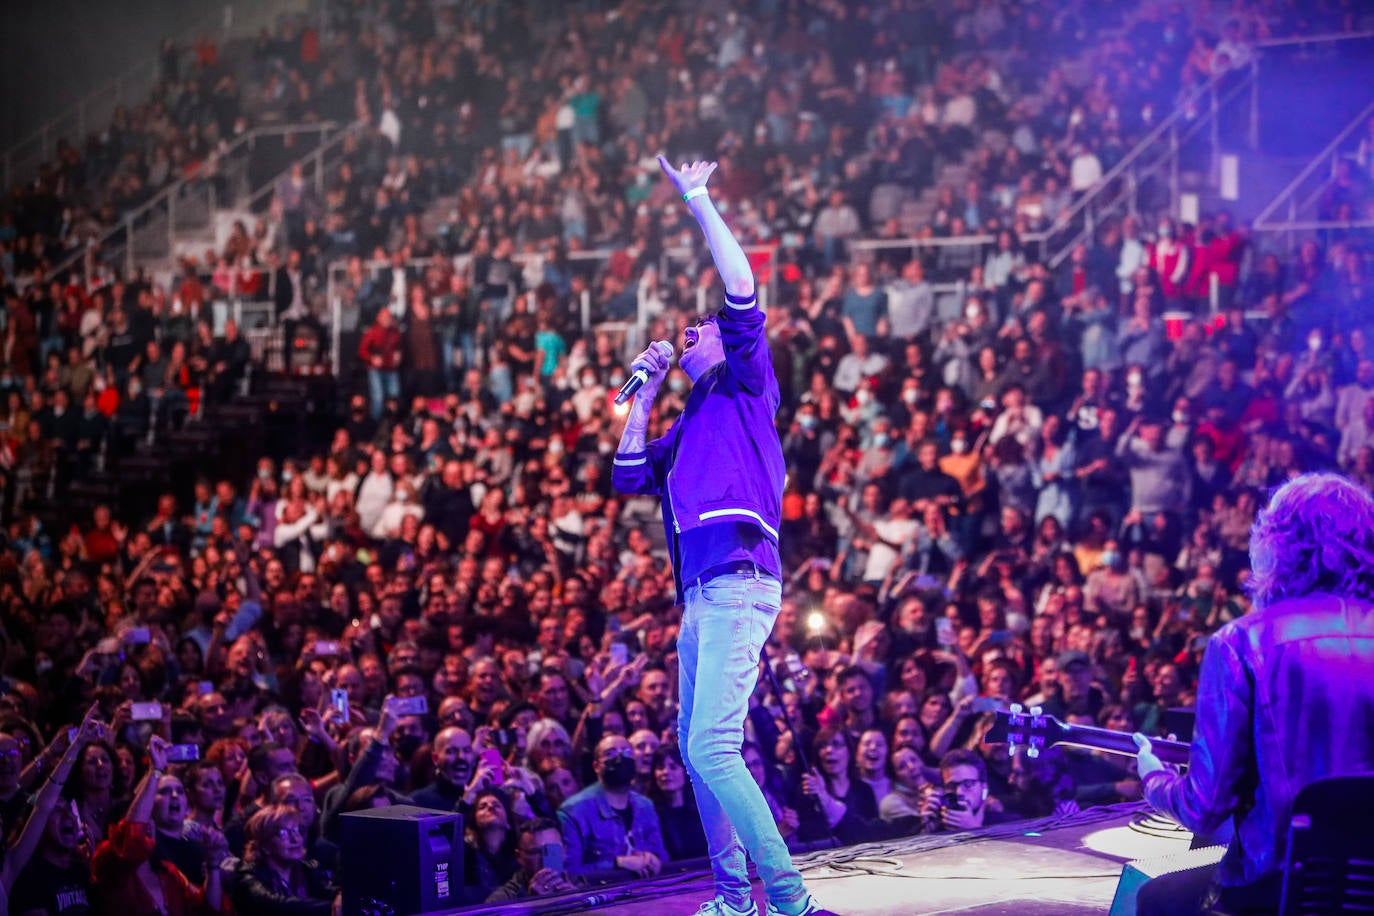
1102, 739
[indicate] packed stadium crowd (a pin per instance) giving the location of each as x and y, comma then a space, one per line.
1037, 492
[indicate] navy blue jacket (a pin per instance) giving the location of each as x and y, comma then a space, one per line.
722, 459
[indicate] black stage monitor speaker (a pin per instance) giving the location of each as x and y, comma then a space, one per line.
401, 860
1134, 874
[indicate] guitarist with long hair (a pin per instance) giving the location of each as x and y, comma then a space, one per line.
1284, 698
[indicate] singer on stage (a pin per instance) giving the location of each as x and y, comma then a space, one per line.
719, 470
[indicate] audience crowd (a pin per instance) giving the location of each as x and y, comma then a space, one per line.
1038, 492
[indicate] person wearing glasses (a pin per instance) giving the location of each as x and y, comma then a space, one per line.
608, 825
720, 472
276, 876
960, 802
539, 852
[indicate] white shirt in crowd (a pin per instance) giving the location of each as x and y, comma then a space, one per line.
1085, 170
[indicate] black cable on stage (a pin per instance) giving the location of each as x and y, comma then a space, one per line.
848, 862
926, 842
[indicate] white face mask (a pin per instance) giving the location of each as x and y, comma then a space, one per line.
958, 446
1180, 417
910, 395
863, 396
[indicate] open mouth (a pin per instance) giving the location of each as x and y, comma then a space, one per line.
689, 341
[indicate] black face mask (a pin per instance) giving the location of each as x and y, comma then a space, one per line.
618, 773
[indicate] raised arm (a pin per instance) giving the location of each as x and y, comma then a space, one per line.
690, 181
46, 800
141, 808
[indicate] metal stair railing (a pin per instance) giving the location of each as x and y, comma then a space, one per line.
150, 230
1119, 190
1300, 197
317, 163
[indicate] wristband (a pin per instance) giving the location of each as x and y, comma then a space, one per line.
695, 192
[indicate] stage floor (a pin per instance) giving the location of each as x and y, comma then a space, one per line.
1065, 867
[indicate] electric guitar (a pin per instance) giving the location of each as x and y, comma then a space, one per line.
1034, 732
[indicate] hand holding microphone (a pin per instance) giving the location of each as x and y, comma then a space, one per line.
651, 365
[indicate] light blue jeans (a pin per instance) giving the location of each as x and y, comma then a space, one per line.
724, 625
382, 384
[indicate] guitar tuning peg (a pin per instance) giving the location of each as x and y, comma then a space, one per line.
1032, 752
1037, 711
1017, 708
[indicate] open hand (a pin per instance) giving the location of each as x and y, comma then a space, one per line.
688, 175
312, 723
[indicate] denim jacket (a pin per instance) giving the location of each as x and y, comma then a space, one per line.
1286, 697
594, 834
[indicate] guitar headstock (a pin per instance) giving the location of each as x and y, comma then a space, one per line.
1030, 730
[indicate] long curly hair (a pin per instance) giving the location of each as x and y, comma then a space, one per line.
1316, 535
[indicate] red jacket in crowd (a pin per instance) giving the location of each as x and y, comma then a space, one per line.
1224, 253
382, 341
1171, 259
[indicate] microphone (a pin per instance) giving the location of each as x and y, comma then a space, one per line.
640, 376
